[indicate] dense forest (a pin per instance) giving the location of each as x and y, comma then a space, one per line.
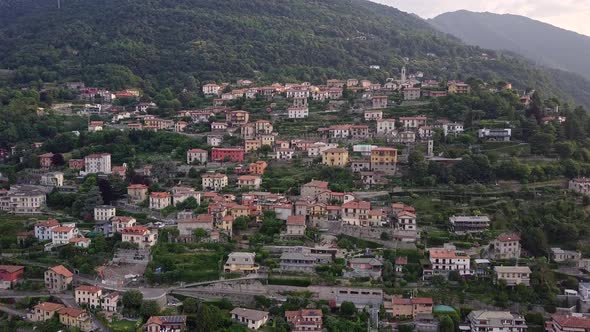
179, 44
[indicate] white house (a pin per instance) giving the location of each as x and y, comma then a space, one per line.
253, 319
98, 163
298, 112
43, 229
63, 234
104, 212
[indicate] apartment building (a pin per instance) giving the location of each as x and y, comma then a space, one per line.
89, 296
44, 311
305, 320
336, 157
505, 246
243, 262
23, 200
160, 200
75, 318
137, 193
43, 229
104, 212
121, 222
249, 181
513, 275
142, 236
497, 321
63, 234
443, 261
98, 163
214, 182
401, 307
469, 224
57, 279
196, 156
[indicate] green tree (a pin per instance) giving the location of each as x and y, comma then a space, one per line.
132, 301
148, 309
446, 324
348, 309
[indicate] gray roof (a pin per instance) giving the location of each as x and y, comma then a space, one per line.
251, 314
366, 260
297, 255
512, 269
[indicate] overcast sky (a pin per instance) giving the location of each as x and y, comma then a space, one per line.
568, 14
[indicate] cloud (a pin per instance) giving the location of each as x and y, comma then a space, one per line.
568, 14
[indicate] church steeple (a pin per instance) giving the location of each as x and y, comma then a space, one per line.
403, 78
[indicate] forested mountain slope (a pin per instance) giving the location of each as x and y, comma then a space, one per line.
538, 41
180, 43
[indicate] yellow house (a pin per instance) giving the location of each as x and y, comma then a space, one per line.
336, 157
383, 155
72, 317
252, 145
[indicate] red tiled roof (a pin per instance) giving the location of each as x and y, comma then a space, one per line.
296, 220
11, 268
357, 205
63, 229
508, 237
135, 230
48, 306
160, 195
572, 322
61, 270
72, 312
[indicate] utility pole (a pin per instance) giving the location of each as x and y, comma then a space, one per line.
58, 4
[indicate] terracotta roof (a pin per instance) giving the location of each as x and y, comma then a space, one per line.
406, 214
296, 220
314, 183
442, 253
137, 186
72, 312
197, 151
89, 289
48, 306
572, 322
204, 218
135, 230
11, 268
508, 237
63, 229
160, 195
357, 205
61, 270
122, 219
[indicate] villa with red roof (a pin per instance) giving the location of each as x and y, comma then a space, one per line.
142, 236
57, 279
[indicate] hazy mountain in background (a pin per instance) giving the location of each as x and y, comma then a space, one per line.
543, 43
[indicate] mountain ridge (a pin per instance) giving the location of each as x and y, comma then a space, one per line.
539, 41
179, 44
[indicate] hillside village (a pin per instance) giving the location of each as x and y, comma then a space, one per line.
345, 206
